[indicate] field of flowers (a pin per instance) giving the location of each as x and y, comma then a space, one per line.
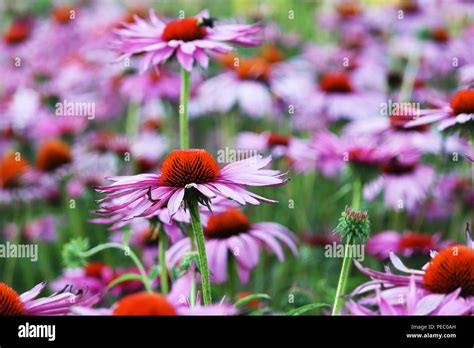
241, 157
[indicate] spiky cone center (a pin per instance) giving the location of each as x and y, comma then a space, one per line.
255, 68
228, 224
146, 304
275, 139
183, 167
396, 167
354, 226
53, 154
95, 269
63, 14
463, 102
335, 83
450, 269
12, 167
10, 302
416, 241
271, 54
186, 29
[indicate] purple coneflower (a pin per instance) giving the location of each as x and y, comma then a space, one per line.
232, 232
190, 38
144, 194
58, 303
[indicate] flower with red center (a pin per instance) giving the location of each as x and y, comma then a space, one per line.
53, 154
231, 234
94, 278
449, 275
18, 31
12, 167
59, 303
440, 34
187, 172
408, 243
460, 111
144, 303
335, 83
191, 39
404, 181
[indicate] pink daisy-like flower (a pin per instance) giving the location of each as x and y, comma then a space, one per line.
191, 39
458, 112
411, 300
408, 243
232, 232
404, 180
143, 195
27, 303
449, 271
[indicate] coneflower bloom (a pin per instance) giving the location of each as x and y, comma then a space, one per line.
59, 303
449, 270
143, 195
52, 155
406, 244
191, 38
155, 304
409, 300
41, 229
459, 111
232, 233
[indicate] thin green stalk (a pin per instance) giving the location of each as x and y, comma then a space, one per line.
183, 109
193, 296
132, 123
341, 286
135, 259
162, 245
201, 247
347, 261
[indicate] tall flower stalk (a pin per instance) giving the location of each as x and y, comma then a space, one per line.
183, 109
353, 228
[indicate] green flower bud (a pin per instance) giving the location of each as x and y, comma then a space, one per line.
354, 226
72, 252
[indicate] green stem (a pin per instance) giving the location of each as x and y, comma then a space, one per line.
201, 246
356, 193
133, 120
192, 299
347, 261
162, 245
341, 286
183, 109
135, 259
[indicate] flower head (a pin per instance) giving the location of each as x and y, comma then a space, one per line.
354, 226
183, 173
191, 38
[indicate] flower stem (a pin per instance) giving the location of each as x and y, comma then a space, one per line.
201, 246
136, 261
341, 286
347, 261
162, 245
183, 109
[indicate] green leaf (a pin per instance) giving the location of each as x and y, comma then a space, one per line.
242, 302
124, 278
306, 308
154, 273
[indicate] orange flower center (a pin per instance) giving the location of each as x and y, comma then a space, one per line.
144, 303
463, 102
255, 68
63, 14
187, 29
335, 83
271, 54
10, 303
348, 9
416, 241
230, 223
450, 269
183, 167
276, 139
18, 31
52, 154
11, 169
